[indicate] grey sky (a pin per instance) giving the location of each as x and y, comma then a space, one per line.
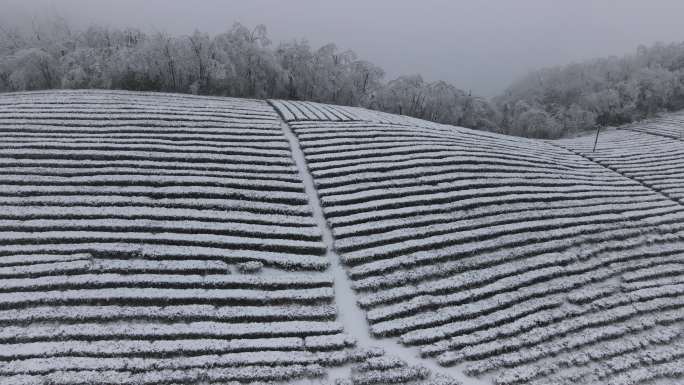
476, 44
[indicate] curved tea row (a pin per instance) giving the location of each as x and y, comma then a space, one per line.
168, 239
126, 220
643, 153
518, 259
670, 125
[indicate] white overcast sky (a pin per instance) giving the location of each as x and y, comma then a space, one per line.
476, 44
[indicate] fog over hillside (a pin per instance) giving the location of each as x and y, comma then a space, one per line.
477, 45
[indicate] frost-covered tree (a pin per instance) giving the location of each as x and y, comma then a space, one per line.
609, 91
202, 51
32, 69
437, 101
296, 59
249, 65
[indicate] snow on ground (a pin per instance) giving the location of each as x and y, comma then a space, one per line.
351, 315
479, 249
154, 238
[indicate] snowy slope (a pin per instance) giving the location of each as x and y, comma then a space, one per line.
125, 219
517, 261
151, 238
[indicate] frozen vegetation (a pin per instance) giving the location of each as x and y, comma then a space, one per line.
170, 239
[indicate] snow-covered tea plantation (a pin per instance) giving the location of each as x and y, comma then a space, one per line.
171, 239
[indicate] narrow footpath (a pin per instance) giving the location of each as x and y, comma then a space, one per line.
350, 314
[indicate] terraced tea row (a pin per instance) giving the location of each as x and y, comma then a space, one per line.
499, 252
645, 155
125, 219
82, 193
172, 239
670, 125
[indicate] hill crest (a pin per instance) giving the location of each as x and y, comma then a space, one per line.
155, 238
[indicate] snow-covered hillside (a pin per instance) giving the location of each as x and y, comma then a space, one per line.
153, 238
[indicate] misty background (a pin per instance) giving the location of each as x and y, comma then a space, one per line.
480, 45
532, 68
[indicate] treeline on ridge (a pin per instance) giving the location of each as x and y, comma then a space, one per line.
243, 62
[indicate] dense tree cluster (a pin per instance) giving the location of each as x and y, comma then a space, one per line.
556, 101
243, 62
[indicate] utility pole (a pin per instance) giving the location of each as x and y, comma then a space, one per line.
598, 129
